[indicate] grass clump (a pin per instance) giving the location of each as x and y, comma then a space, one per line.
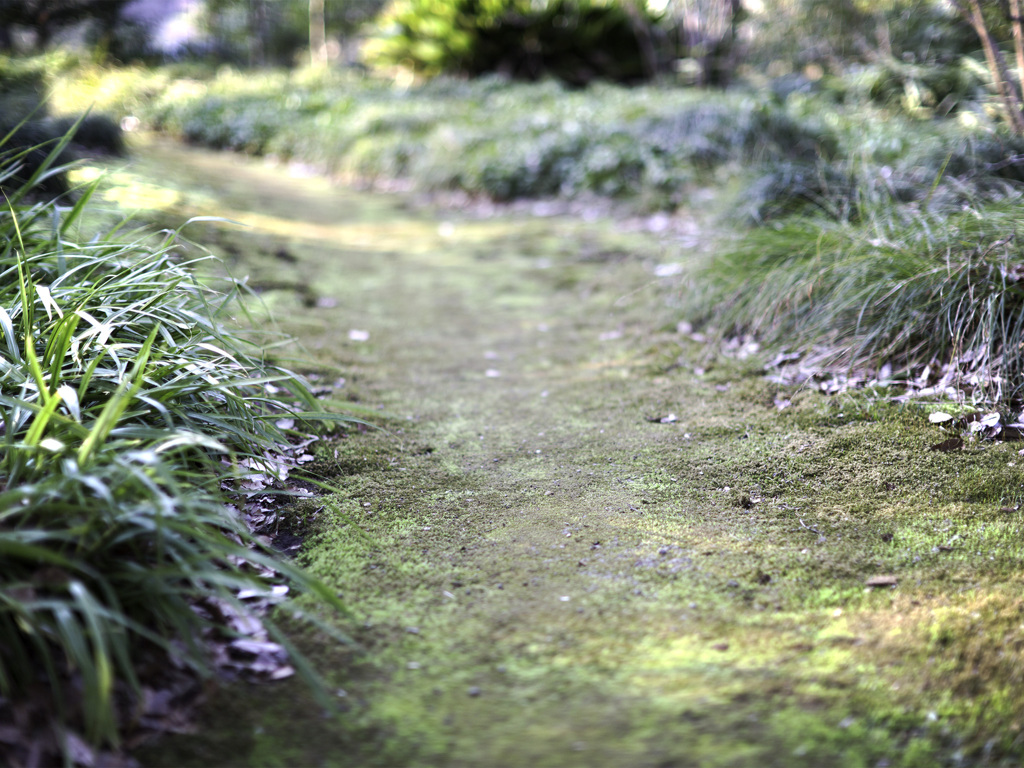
933, 296
124, 402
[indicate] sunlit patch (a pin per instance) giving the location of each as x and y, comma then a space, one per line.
142, 196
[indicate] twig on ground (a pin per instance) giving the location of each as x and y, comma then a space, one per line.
809, 528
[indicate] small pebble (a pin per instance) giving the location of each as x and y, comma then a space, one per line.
474, 690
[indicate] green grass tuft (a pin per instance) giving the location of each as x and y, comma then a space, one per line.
906, 288
124, 404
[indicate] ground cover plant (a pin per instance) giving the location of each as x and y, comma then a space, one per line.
653, 147
911, 290
125, 403
495, 139
650, 147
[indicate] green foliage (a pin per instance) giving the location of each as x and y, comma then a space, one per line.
497, 138
573, 40
884, 159
906, 288
861, 169
920, 90
436, 37
790, 34
915, 56
651, 145
121, 393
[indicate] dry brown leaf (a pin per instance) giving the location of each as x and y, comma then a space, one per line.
946, 446
882, 581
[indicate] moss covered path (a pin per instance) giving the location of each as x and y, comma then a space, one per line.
579, 548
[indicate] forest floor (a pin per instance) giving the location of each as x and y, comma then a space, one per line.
576, 540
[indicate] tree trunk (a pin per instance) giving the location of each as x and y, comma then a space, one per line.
1018, 40
257, 33
317, 34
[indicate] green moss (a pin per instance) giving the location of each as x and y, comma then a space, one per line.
542, 575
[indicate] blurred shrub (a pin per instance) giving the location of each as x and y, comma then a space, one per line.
32, 156
800, 151
22, 87
36, 152
575, 41
911, 55
918, 90
96, 133
791, 34
500, 139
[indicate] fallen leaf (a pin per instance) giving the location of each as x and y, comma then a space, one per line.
938, 417
882, 581
77, 749
988, 423
1013, 431
282, 672
157, 703
258, 648
670, 419
953, 444
782, 358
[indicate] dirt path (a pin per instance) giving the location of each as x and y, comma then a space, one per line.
550, 575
